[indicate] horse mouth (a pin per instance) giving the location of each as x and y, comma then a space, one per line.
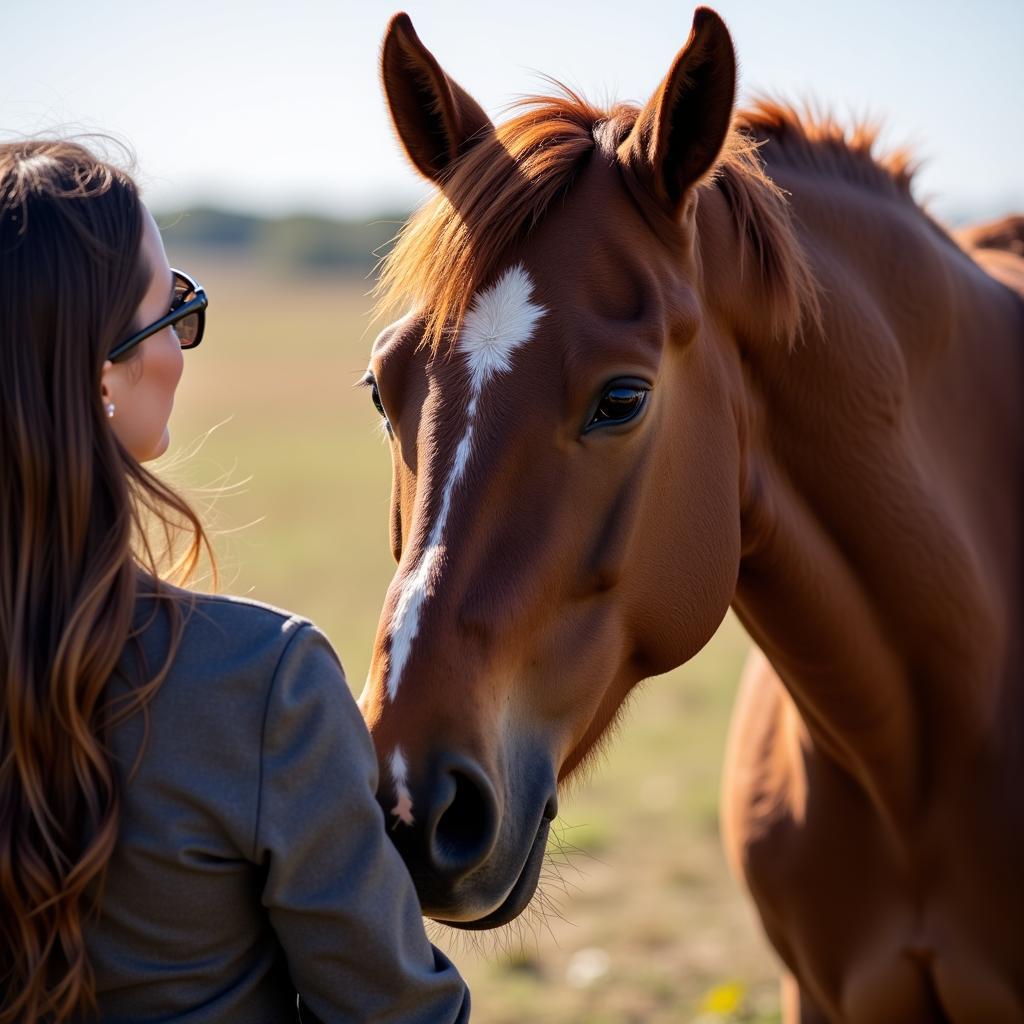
521, 893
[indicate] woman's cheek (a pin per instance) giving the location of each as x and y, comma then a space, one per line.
162, 367
174, 365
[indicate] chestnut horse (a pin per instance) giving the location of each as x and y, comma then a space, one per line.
666, 360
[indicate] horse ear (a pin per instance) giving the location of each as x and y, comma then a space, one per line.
679, 134
434, 117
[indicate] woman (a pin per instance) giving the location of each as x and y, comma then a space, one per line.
188, 828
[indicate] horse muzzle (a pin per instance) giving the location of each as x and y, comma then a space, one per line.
474, 851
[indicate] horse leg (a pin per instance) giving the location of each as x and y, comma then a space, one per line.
797, 1005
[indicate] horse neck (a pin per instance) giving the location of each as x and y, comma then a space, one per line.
861, 576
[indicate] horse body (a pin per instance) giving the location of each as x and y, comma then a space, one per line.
868, 799
630, 394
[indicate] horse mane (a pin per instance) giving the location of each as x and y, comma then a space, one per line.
764, 223
498, 191
814, 139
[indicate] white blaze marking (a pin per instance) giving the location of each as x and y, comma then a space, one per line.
400, 776
500, 320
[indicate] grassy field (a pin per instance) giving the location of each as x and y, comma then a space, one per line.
650, 927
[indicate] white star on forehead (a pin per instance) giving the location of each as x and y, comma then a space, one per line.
500, 320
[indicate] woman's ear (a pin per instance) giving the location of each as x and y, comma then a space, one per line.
679, 134
106, 380
108, 386
435, 119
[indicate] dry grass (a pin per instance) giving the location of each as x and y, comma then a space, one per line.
639, 920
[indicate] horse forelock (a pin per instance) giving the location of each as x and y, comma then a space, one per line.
491, 198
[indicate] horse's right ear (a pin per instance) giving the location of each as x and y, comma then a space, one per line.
434, 117
679, 134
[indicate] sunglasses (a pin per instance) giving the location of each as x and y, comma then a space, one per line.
187, 316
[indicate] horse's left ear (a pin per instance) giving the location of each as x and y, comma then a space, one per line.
679, 134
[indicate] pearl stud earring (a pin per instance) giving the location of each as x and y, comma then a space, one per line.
110, 410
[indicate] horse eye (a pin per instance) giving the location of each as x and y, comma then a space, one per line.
377, 403
619, 404
369, 381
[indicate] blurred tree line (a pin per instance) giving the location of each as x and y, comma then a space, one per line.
299, 243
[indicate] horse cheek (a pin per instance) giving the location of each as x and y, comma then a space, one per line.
686, 571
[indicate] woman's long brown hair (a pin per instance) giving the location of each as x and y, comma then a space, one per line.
76, 512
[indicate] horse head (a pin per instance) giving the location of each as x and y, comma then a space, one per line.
566, 453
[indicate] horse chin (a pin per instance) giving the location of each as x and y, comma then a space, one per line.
521, 893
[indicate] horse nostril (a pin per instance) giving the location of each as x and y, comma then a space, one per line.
464, 826
459, 826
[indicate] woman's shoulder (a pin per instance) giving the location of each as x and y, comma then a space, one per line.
223, 620
219, 611
222, 644
236, 675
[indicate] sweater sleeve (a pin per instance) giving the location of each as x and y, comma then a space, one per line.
338, 895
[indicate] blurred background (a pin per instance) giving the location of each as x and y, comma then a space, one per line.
262, 143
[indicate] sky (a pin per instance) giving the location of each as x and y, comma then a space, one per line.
277, 107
